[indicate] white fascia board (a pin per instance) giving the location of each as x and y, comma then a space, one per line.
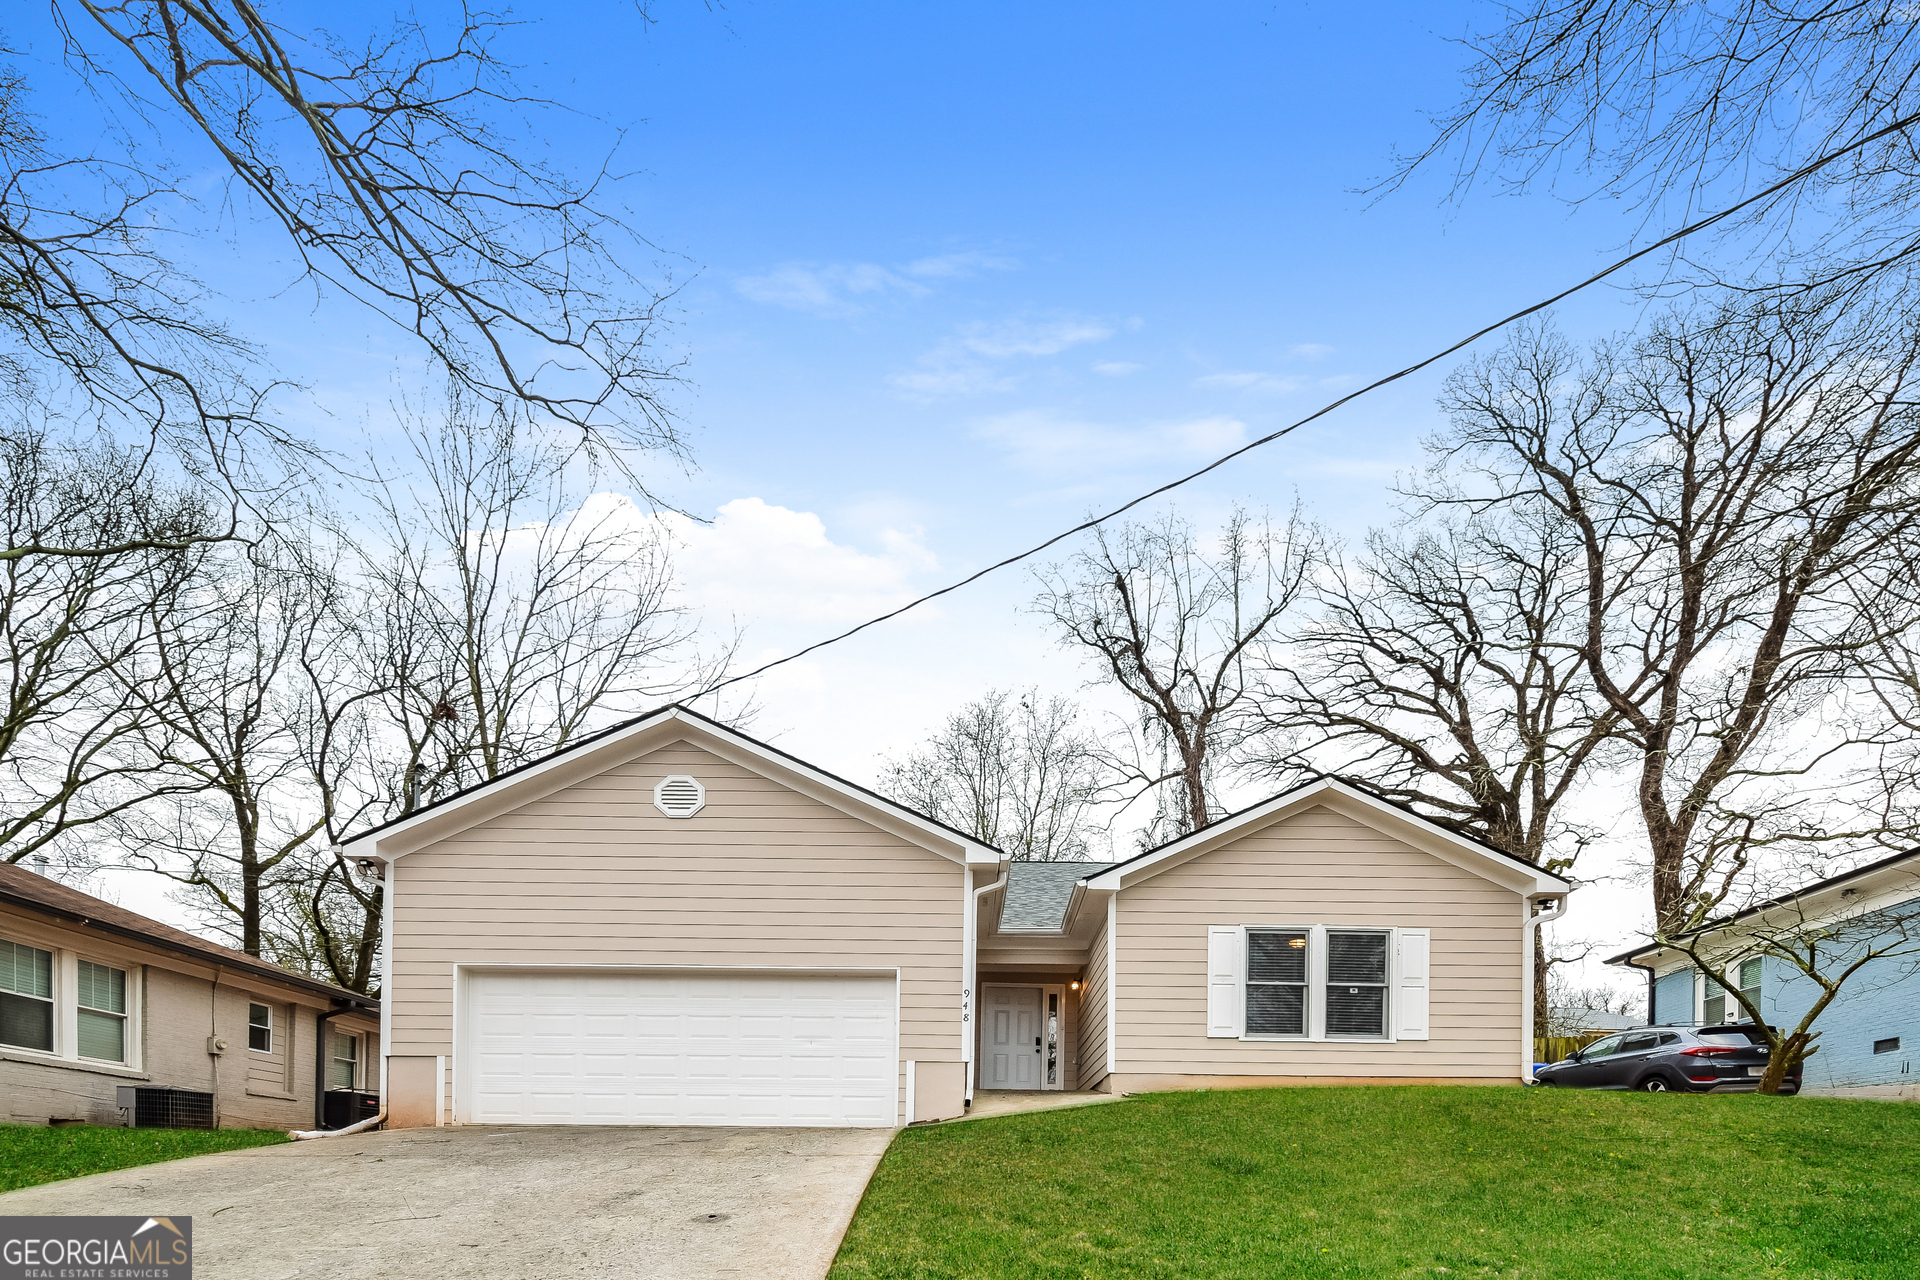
1361, 807
549, 776
1833, 904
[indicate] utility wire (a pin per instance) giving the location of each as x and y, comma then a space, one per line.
1805, 171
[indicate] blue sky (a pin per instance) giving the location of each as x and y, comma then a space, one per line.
953, 276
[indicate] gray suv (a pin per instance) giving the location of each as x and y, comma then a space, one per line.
1726, 1059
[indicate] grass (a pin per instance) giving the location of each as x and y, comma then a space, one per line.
33, 1154
1403, 1182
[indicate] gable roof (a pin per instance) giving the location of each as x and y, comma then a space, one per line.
30, 891
629, 739
1804, 891
1396, 820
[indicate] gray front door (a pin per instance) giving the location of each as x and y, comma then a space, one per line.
1012, 1049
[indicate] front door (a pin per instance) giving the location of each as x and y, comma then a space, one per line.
1013, 1051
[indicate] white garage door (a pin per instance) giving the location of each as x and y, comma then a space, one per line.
627, 1047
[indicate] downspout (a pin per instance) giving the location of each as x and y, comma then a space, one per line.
1536, 916
1652, 978
320, 1087
971, 974
320, 1065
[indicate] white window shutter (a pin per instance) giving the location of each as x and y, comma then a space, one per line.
1226, 952
1410, 1001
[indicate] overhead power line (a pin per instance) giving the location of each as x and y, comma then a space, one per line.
1899, 126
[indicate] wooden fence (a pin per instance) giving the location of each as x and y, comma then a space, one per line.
1554, 1048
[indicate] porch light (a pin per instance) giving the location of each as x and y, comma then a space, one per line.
1074, 985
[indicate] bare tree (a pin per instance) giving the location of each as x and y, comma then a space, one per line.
1823, 947
1445, 669
516, 612
1012, 769
402, 169
1737, 480
227, 690
1661, 104
77, 746
1174, 627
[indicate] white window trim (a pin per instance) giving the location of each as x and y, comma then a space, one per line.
66, 1009
126, 1018
359, 1046
1317, 984
273, 1028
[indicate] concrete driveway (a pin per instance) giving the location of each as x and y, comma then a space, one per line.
658, 1204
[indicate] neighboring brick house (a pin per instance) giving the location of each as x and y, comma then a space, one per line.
94, 997
1870, 1034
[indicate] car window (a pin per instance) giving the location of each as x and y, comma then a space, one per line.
1636, 1044
1738, 1038
1600, 1048
1668, 1037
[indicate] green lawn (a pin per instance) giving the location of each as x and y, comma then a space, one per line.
1403, 1182
32, 1154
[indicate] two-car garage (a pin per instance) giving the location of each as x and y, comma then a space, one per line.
676, 1047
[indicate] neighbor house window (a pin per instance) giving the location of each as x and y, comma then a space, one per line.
1717, 1006
26, 997
345, 1067
102, 1001
1276, 983
1356, 983
260, 1027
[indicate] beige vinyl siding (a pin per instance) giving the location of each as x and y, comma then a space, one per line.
593, 874
1320, 867
1093, 1015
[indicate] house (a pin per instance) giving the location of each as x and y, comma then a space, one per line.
95, 999
1870, 1033
672, 923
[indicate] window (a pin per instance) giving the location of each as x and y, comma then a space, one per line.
1356, 983
26, 997
1601, 1048
1276, 983
102, 1001
260, 1028
1638, 1044
344, 1068
1718, 1006
1749, 980
1886, 1046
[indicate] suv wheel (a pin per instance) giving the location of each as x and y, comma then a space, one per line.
1655, 1084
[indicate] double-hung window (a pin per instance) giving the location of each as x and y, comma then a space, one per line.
344, 1069
260, 1028
1276, 982
1717, 1006
102, 1011
1356, 983
1317, 982
26, 997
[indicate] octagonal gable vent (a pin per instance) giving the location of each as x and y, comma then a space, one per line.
679, 796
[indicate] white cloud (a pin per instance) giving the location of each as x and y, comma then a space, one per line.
768, 565
1250, 382
1038, 440
846, 288
1030, 338
1116, 368
962, 364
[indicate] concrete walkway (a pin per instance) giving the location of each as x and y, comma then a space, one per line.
1012, 1102
663, 1204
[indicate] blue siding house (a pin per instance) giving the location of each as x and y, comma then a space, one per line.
1870, 1035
